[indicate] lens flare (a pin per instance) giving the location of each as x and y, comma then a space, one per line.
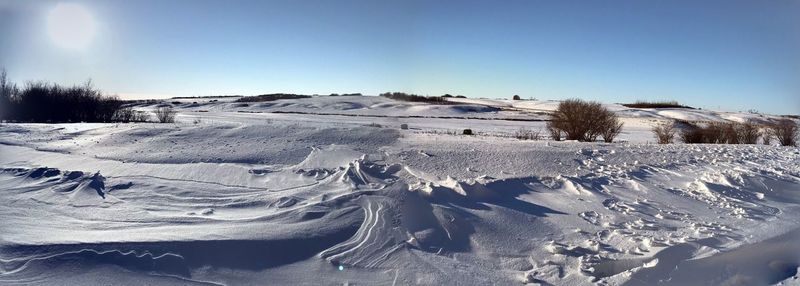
71, 26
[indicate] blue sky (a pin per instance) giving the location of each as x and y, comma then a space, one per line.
726, 54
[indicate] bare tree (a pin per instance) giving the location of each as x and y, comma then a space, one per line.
785, 131
665, 132
165, 114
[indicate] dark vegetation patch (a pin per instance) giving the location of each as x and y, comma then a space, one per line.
207, 96
447, 95
656, 104
271, 97
50, 102
402, 96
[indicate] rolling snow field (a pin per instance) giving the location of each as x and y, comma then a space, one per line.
331, 191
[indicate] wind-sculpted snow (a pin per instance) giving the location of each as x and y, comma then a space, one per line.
92, 205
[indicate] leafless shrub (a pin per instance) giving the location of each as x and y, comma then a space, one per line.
767, 138
785, 131
610, 127
440, 132
722, 133
714, 133
665, 132
124, 115
140, 116
555, 133
730, 133
165, 114
527, 134
748, 132
692, 134
127, 114
584, 121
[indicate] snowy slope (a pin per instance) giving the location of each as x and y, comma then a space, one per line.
251, 198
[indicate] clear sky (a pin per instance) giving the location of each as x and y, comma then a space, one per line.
719, 54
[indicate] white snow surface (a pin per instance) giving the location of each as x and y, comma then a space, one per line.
330, 191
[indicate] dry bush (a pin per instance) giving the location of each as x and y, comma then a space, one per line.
584, 121
692, 134
748, 133
527, 134
665, 132
730, 133
767, 138
722, 133
127, 114
714, 133
165, 114
610, 127
555, 134
785, 131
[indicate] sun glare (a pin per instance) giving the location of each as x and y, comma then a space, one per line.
71, 26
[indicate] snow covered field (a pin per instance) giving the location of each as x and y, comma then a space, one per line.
330, 191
